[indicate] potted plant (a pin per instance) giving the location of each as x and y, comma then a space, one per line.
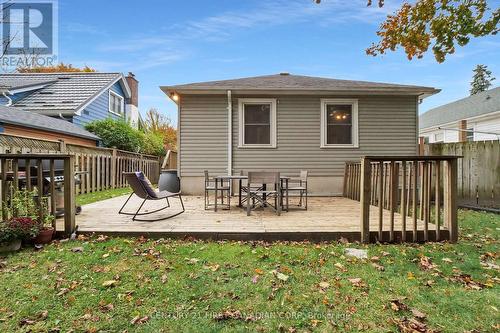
46, 230
24, 209
10, 238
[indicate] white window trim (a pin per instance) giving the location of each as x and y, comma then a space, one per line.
354, 132
122, 102
241, 104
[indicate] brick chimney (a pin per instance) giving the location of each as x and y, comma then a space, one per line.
134, 89
132, 103
462, 134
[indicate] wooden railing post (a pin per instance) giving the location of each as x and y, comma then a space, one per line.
69, 194
62, 146
450, 198
113, 169
365, 191
344, 188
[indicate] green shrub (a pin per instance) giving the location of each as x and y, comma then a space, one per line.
117, 133
153, 144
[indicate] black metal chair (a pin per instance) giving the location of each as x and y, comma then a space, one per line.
261, 194
143, 189
300, 185
221, 187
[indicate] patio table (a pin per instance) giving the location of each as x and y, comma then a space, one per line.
240, 178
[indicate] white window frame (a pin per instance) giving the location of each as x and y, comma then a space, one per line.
122, 103
241, 122
354, 128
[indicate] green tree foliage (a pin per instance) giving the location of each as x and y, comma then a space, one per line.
157, 123
440, 24
119, 134
62, 67
481, 81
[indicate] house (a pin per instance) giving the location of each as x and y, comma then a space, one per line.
474, 118
18, 122
78, 97
289, 122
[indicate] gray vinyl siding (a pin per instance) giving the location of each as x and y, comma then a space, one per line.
203, 135
387, 126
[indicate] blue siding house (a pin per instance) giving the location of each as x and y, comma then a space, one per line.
76, 97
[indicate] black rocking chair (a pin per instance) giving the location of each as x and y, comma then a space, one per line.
142, 188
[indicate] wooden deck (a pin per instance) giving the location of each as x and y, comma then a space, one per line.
326, 219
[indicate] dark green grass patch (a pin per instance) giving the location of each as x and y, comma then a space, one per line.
139, 285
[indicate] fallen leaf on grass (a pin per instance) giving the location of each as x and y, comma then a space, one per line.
418, 314
105, 255
426, 264
77, 249
213, 268
467, 281
412, 326
357, 282
259, 271
397, 305
109, 283
163, 278
378, 267
281, 276
448, 260
232, 314
324, 285
139, 320
340, 267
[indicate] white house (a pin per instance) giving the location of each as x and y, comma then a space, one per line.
474, 118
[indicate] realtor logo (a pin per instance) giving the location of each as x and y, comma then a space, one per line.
29, 32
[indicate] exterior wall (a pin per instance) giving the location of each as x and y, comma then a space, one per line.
99, 108
387, 126
448, 135
483, 124
41, 134
489, 125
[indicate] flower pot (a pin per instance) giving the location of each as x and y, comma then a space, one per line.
45, 236
13, 246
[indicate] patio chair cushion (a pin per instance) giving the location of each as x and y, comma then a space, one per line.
146, 184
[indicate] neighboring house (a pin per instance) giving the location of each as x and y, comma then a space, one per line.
474, 118
289, 123
19, 122
76, 97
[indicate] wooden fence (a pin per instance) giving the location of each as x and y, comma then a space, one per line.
99, 168
478, 170
406, 185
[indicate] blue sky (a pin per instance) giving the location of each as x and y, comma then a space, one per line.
173, 42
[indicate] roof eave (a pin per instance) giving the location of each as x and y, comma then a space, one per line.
423, 91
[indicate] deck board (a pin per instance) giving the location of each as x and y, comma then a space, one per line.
326, 218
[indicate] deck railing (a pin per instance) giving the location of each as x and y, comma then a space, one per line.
11, 177
422, 189
102, 168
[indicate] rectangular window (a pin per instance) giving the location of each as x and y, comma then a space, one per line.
115, 103
339, 123
470, 134
438, 137
257, 123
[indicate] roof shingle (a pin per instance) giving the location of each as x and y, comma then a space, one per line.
66, 94
476, 105
285, 81
20, 117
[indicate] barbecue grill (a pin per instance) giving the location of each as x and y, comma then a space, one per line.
58, 181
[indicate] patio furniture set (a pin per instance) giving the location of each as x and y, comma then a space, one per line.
256, 189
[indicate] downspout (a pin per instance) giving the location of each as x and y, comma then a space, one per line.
9, 103
229, 134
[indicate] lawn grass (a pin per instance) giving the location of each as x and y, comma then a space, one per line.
140, 285
87, 198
